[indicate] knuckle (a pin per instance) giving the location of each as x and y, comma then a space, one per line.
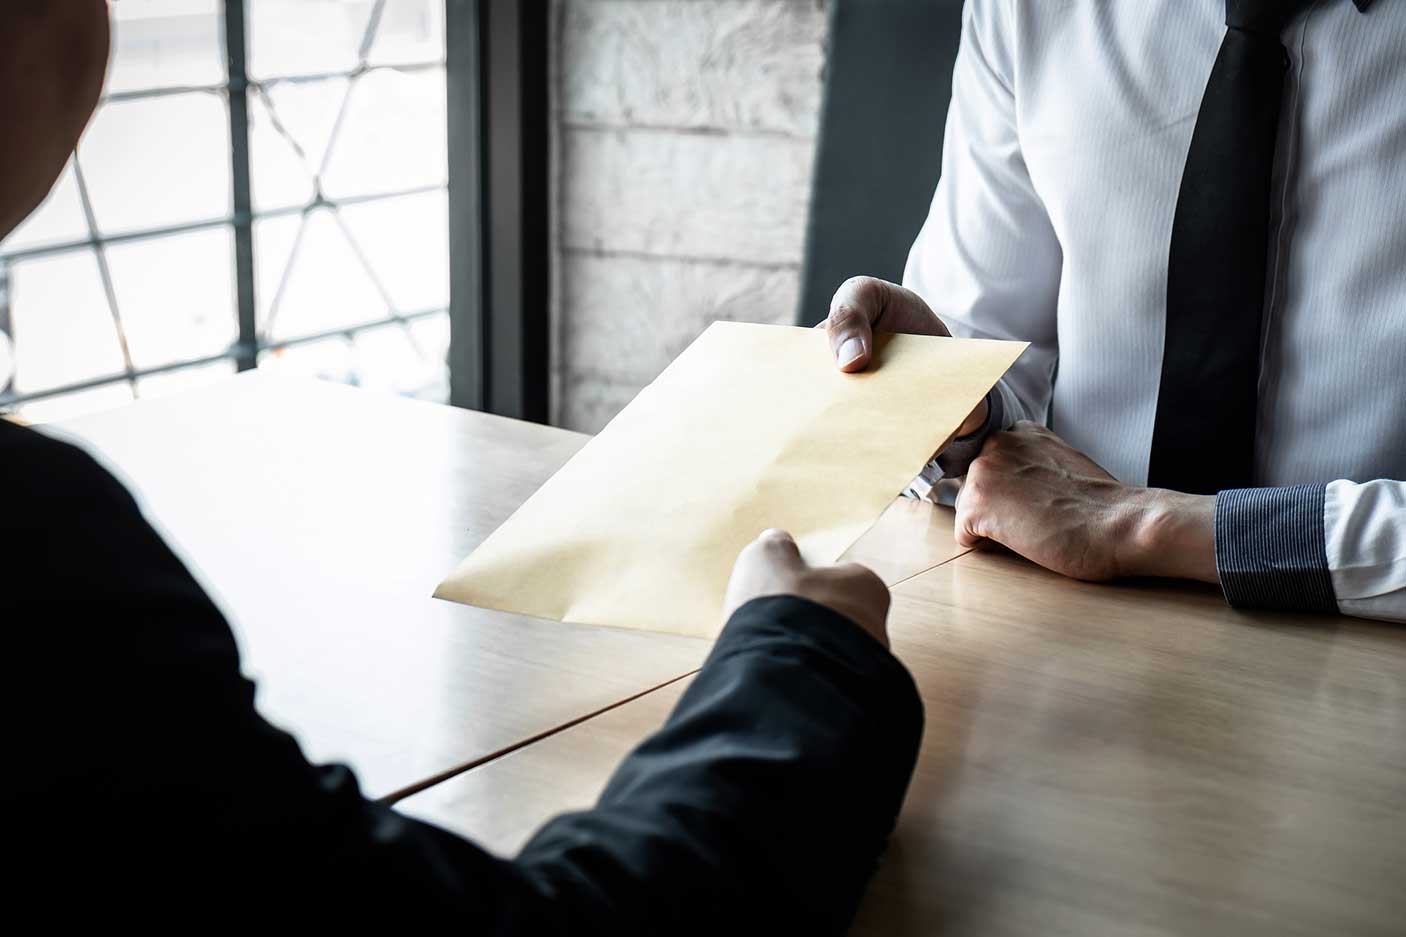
966, 511
766, 545
968, 514
863, 574
751, 553
1000, 463
776, 554
973, 498
861, 285
812, 582
861, 291
846, 317
990, 449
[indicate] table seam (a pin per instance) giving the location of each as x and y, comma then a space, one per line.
921, 572
404, 792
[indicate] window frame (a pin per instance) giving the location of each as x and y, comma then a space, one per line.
498, 65
249, 344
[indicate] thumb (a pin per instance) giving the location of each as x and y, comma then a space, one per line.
780, 545
857, 303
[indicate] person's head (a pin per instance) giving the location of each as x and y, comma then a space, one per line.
53, 58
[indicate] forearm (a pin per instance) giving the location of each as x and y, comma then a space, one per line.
1263, 546
1335, 547
1170, 534
764, 801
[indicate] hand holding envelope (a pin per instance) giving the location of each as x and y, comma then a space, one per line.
772, 565
751, 427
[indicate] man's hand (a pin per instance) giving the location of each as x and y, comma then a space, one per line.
772, 565
865, 304
1031, 491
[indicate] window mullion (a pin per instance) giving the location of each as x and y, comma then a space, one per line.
247, 350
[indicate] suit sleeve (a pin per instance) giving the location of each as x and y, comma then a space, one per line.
764, 802
766, 796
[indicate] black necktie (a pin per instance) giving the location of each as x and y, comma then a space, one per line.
1204, 437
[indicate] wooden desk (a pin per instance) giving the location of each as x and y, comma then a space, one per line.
1098, 760
500, 805
908, 539
321, 518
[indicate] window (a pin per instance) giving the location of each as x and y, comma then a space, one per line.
263, 185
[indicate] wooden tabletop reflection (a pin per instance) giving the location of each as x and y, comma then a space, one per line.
321, 518
1098, 759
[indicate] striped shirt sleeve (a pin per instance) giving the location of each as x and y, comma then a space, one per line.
1270, 548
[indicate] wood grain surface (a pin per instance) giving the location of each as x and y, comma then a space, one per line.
321, 518
1098, 760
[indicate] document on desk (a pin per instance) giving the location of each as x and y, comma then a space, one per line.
751, 427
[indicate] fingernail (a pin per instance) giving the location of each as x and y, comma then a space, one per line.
850, 350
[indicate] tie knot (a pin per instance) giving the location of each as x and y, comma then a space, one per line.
1265, 17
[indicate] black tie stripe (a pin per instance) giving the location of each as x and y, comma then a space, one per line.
1203, 436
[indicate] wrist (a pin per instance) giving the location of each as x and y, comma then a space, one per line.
976, 420
1172, 535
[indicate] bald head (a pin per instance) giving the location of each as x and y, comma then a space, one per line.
53, 57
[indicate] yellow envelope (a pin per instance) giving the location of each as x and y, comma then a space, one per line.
751, 427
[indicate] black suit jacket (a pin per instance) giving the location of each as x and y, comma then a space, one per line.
142, 784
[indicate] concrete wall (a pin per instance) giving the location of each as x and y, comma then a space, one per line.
683, 148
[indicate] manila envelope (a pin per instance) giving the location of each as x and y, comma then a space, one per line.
751, 427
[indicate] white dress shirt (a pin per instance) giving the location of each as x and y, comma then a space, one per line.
1068, 130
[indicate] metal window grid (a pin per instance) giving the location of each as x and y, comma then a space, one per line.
498, 55
251, 340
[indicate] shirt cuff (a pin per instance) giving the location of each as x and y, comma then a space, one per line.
954, 461
1270, 549
963, 450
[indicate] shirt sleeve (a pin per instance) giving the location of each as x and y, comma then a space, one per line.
954, 460
1365, 539
987, 259
1334, 547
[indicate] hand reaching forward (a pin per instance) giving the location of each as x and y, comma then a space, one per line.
772, 565
863, 305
